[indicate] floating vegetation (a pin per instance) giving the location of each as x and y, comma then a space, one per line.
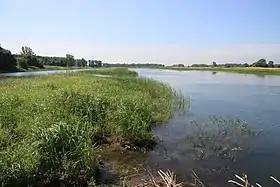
220, 137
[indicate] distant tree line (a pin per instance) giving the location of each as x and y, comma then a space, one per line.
133, 65
260, 63
28, 59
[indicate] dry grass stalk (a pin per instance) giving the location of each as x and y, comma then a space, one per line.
245, 182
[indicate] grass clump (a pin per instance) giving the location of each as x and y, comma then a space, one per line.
51, 126
116, 71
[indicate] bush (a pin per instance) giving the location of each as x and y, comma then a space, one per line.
22, 63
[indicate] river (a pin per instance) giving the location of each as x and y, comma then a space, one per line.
39, 73
252, 98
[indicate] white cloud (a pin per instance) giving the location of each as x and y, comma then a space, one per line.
167, 54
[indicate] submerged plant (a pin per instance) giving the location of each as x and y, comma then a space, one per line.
221, 137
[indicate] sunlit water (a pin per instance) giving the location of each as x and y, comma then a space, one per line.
251, 98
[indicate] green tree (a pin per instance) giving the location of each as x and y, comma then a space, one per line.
29, 56
214, 64
98, 63
70, 61
7, 60
260, 63
22, 63
270, 64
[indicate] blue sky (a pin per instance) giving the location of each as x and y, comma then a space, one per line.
165, 31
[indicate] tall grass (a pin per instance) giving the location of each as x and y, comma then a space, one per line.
51, 126
115, 71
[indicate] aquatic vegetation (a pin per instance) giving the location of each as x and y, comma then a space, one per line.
221, 137
115, 71
51, 127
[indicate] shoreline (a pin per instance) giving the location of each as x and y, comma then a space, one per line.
240, 70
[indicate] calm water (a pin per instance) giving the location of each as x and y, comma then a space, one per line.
38, 73
252, 98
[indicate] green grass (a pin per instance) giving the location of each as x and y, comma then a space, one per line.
244, 70
49, 68
51, 126
64, 68
115, 72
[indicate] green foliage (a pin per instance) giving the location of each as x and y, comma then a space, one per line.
22, 63
214, 64
260, 63
246, 70
95, 63
70, 61
115, 71
28, 57
50, 126
7, 60
66, 150
133, 65
270, 64
81, 62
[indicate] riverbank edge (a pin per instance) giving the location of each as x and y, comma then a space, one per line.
46, 68
240, 70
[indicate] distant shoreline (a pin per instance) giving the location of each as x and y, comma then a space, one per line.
243, 70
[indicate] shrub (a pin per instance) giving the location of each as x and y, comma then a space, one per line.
22, 63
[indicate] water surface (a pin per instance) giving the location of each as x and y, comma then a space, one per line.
252, 98
38, 73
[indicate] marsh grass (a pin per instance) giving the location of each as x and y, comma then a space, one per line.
51, 126
115, 71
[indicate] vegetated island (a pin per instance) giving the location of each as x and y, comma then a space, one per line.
54, 129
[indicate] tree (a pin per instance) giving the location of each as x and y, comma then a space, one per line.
7, 60
95, 63
26, 52
260, 63
70, 61
98, 63
22, 63
30, 57
81, 62
270, 64
214, 64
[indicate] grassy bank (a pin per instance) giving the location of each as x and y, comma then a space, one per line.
245, 70
49, 68
51, 127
